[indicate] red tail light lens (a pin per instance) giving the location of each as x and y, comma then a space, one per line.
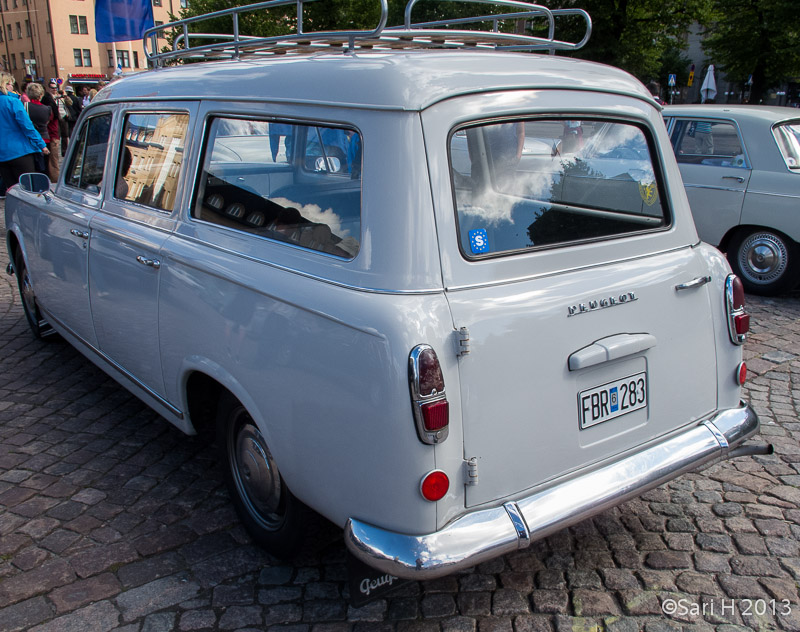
436, 415
428, 397
738, 318
434, 485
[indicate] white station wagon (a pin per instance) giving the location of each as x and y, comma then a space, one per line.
447, 295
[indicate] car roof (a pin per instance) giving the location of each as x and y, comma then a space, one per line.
763, 113
405, 80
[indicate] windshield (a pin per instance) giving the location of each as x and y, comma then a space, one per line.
545, 182
788, 137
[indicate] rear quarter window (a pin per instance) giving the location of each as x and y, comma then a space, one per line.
296, 184
549, 182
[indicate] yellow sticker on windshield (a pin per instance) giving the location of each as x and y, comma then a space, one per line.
649, 193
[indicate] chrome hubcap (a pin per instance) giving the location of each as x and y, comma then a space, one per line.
763, 258
255, 474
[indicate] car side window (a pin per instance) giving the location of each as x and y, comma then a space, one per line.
85, 170
150, 159
298, 184
707, 142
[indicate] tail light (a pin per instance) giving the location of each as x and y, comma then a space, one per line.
428, 397
738, 318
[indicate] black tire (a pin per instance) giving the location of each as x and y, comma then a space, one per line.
275, 519
38, 325
764, 260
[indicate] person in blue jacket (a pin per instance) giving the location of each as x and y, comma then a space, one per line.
21, 142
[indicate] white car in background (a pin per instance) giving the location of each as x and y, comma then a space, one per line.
741, 169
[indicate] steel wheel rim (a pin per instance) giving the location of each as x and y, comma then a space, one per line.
763, 258
28, 296
255, 475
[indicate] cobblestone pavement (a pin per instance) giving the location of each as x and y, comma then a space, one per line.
110, 518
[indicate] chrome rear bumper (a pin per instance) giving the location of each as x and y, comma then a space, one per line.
488, 533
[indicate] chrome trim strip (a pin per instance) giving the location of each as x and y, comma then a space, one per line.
487, 533
150, 392
719, 436
714, 188
773, 194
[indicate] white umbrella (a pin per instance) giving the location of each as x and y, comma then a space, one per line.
708, 91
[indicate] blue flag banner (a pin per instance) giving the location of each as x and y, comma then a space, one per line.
122, 20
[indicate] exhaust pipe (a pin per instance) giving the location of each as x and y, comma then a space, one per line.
752, 449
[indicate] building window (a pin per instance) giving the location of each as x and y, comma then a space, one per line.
73, 24
110, 58
48, 26
10, 33
76, 52
123, 59
87, 57
156, 3
19, 30
184, 4
13, 61
5, 63
27, 28
135, 59
1, 35
78, 24
161, 34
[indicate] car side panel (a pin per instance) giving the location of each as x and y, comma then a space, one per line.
773, 201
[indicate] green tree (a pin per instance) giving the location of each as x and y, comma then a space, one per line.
755, 38
636, 35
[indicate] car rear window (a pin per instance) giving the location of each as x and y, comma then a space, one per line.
547, 182
788, 137
297, 184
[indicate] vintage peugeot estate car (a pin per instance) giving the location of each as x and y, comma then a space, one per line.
450, 297
741, 168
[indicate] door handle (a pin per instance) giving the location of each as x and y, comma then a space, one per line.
151, 263
738, 179
698, 282
610, 348
80, 233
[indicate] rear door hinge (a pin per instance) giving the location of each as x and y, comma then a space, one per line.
471, 471
462, 341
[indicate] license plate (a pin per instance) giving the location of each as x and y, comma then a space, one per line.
612, 400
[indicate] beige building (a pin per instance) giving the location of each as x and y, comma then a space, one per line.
56, 39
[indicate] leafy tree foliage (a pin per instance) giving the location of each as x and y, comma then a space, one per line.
755, 37
636, 35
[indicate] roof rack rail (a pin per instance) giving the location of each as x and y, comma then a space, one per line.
437, 34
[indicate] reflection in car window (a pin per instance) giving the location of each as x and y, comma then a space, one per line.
151, 158
788, 137
526, 184
87, 163
298, 184
713, 143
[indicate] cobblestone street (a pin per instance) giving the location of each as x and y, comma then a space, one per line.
110, 518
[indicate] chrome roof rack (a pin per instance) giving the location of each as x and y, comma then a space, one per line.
438, 34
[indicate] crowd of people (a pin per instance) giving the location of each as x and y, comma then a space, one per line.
36, 122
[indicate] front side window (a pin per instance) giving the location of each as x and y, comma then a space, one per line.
788, 137
297, 184
88, 161
539, 183
708, 142
151, 159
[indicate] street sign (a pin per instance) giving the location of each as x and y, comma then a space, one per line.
672, 80
691, 79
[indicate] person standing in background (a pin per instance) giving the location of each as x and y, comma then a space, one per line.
50, 99
21, 142
40, 116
